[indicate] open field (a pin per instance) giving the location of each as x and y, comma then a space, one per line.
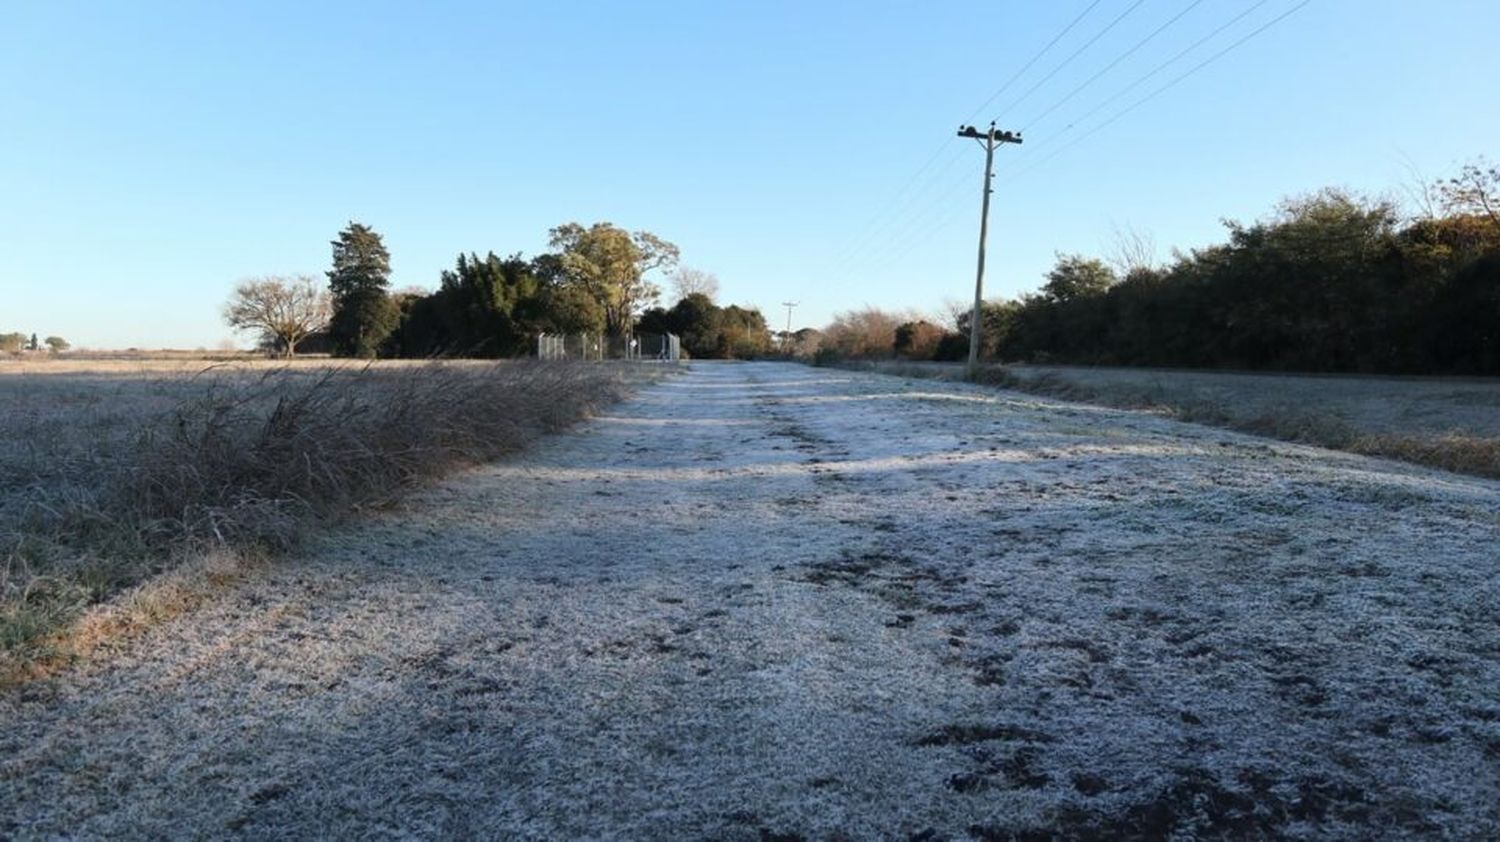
768, 601
1449, 423
113, 472
150, 357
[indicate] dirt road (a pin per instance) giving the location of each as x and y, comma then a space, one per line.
766, 601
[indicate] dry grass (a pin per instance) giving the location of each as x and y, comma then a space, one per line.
1309, 412
148, 357
115, 473
1454, 452
1442, 423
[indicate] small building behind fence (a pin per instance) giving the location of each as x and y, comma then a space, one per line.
662, 347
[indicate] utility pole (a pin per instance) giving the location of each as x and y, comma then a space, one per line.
989, 140
787, 337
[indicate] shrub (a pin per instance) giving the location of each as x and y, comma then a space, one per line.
869, 333
918, 340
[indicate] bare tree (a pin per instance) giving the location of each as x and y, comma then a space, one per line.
1475, 190
284, 310
1133, 251
689, 281
1422, 195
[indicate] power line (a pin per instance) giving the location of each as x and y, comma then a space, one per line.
881, 216
871, 227
1164, 65
1047, 141
1117, 95
942, 212
1076, 53
912, 202
1121, 57
918, 236
922, 232
939, 199
1164, 88
922, 225
1034, 59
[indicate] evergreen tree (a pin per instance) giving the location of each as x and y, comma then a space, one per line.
363, 312
486, 307
709, 331
1331, 281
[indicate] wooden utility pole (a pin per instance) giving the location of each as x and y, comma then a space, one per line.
787, 337
989, 140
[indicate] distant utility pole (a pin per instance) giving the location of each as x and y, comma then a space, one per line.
989, 140
787, 337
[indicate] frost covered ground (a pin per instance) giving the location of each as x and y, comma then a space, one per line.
1404, 406
1452, 423
766, 601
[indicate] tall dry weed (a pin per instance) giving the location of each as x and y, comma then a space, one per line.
244, 462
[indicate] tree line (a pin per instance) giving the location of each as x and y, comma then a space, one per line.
15, 343
596, 280
1331, 281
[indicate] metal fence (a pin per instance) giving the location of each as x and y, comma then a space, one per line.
663, 347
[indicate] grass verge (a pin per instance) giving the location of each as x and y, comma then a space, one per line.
106, 528
1464, 454
1460, 453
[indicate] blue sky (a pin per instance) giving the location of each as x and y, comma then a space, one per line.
152, 154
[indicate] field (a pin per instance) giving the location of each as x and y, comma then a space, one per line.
764, 601
1449, 423
114, 472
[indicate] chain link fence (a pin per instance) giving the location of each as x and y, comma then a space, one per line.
663, 347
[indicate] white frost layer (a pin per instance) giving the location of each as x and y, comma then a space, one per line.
764, 599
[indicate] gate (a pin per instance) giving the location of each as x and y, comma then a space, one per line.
657, 347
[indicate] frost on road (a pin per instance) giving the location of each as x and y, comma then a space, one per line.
769, 601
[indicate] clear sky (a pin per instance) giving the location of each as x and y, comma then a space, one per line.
153, 153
